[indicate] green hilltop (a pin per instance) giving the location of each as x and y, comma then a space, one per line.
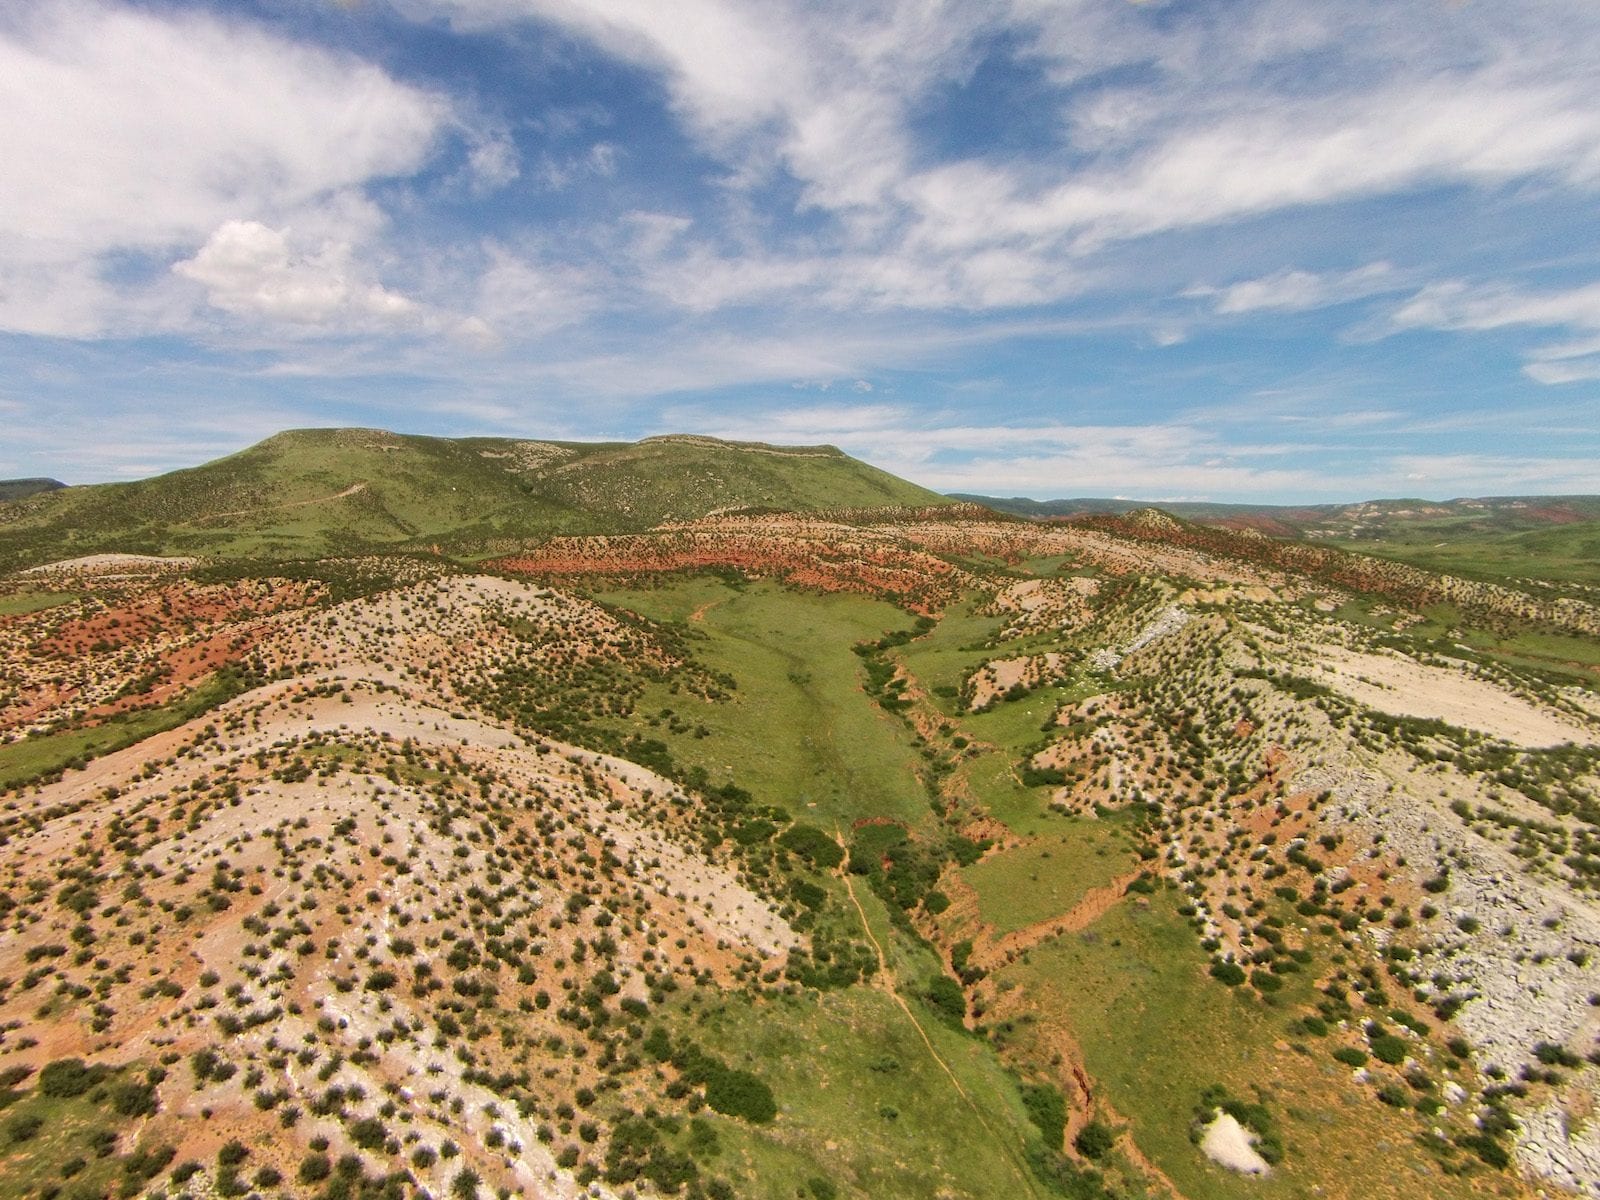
314, 492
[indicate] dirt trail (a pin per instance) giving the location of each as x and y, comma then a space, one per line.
352, 490
885, 980
699, 614
1094, 905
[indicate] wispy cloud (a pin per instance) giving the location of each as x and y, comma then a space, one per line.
1188, 459
1459, 307
825, 95
1298, 291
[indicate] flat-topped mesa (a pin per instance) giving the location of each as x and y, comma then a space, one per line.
310, 493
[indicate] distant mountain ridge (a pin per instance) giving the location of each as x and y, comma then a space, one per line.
18, 489
315, 492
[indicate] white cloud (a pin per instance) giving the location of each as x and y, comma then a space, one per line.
826, 202
1257, 159
1386, 98
1457, 306
68, 440
129, 131
50, 294
249, 269
1579, 370
598, 162
1478, 474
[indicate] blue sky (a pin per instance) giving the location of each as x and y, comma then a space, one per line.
1235, 250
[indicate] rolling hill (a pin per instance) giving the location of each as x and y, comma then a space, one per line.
311, 492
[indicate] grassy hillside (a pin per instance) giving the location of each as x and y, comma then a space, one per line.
319, 491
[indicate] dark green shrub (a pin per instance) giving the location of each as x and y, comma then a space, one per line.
1387, 1048
808, 894
1265, 981
369, 1133
1394, 1096
1553, 1055
24, 1128
945, 997
657, 1044
1047, 1108
813, 845
740, 1094
68, 1077
1230, 973
185, 1171
233, 1153
1487, 1149
133, 1099
381, 980
1095, 1139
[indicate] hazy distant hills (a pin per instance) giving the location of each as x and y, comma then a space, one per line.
1557, 537
323, 491
1488, 514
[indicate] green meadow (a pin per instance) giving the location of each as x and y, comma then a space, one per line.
864, 1103
1048, 876
799, 730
